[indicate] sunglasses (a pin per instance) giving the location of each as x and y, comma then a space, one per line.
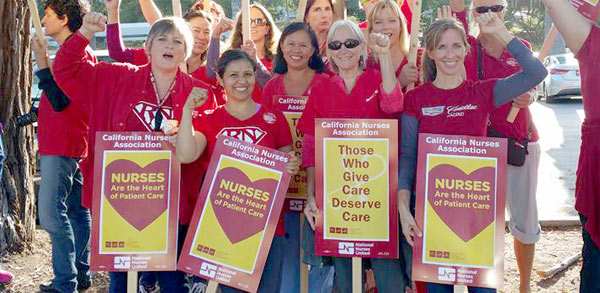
258, 21
349, 43
493, 8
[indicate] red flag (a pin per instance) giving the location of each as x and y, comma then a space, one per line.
405, 8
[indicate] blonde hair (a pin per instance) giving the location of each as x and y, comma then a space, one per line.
357, 33
431, 39
271, 39
381, 5
172, 24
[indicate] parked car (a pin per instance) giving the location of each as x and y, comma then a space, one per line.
563, 77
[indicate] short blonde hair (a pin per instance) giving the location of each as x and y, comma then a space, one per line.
357, 33
381, 5
172, 24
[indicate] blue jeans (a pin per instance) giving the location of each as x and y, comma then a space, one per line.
169, 281
61, 215
590, 270
320, 278
443, 288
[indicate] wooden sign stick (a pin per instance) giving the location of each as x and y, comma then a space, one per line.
415, 26
212, 286
303, 266
300, 11
246, 20
35, 17
206, 4
544, 50
357, 283
132, 282
339, 10
176, 8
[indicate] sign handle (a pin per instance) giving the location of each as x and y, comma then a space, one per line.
132, 282
212, 286
303, 266
339, 10
176, 8
544, 50
246, 20
356, 275
300, 11
35, 17
415, 27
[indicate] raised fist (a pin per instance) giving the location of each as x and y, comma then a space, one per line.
379, 43
196, 98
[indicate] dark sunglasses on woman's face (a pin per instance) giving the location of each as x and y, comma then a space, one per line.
493, 8
258, 21
349, 43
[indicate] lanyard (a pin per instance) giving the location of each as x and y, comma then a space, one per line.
158, 116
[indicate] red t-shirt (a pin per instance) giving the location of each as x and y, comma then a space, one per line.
372, 63
502, 67
121, 98
460, 111
260, 129
64, 133
329, 99
276, 86
589, 66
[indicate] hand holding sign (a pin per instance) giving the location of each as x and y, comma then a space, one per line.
409, 74
293, 165
40, 49
196, 99
524, 100
250, 48
93, 22
407, 221
311, 211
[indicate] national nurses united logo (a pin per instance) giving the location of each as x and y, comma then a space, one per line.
248, 134
146, 112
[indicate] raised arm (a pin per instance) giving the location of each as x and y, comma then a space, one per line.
114, 41
391, 98
150, 11
573, 26
190, 143
532, 70
54, 94
214, 48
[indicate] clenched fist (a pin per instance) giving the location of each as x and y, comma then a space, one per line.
93, 22
379, 43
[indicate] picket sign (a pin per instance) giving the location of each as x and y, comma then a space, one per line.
132, 282
212, 287
176, 8
544, 50
303, 266
300, 11
36, 19
246, 20
356, 275
415, 27
339, 10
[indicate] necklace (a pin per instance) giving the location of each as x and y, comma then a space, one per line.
158, 116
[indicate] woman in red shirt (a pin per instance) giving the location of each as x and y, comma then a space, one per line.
123, 97
319, 15
583, 39
352, 92
386, 18
447, 104
240, 118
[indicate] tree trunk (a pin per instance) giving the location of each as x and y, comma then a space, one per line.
17, 199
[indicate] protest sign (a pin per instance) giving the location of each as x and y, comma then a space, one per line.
588, 8
356, 175
292, 107
238, 210
460, 207
135, 202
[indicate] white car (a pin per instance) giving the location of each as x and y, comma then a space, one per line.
563, 77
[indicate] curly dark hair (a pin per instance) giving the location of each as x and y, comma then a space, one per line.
73, 9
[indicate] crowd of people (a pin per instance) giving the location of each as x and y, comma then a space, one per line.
347, 70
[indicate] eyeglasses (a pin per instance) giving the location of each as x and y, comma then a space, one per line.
258, 21
349, 43
493, 8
